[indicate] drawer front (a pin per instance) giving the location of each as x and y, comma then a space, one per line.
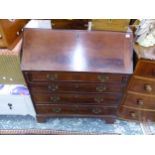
139, 101
105, 99
68, 76
13, 106
110, 24
139, 115
75, 110
79, 24
142, 86
145, 68
75, 87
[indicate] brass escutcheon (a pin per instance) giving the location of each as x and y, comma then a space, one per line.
103, 78
52, 77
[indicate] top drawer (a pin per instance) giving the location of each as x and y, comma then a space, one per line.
145, 68
72, 76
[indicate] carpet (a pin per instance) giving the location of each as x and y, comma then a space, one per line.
64, 126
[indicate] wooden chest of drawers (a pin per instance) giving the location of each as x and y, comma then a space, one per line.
139, 101
76, 73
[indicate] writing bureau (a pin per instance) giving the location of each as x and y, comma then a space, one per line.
76, 72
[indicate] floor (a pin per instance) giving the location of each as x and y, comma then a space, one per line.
80, 125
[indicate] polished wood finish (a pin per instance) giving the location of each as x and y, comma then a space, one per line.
73, 73
77, 51
139, 101
77, 24
10, 32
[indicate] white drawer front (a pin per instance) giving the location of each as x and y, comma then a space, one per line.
16, 105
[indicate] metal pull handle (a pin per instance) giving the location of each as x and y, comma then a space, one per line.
101, 88
54, 99
133, 114
148, 88
140, 102
10, 106
103, 78
53, 87
98, 99
96, 110
51, 77
56, 110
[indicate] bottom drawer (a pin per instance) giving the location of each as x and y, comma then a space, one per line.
139, 115
75, 110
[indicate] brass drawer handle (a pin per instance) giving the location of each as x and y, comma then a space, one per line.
101, 88
55, 99
133, 114
98, 99
96, 110
140, 102
52, 77
148, 88
56, 110
103, 78
53, 87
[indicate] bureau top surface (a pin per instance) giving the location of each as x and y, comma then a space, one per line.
76, 50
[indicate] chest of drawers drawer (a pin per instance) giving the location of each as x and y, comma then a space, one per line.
145, 68
74, 76
76, 110
87, 98
61, 87
138, 115
142, 86
139, 101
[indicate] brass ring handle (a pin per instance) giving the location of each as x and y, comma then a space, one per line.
140, 102
56, 110
53, 87
96, 110
101, 88
54, 99
103, 78
98, 99
148, 88
133, 114
51, 77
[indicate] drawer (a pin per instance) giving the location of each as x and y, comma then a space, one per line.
75, 110
139, 101
142, 86
145, 68
75, 87
110, 24
74, 76
13, 105
139, 115
87, 98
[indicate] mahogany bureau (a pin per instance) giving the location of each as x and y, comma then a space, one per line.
139, 100
76, 72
